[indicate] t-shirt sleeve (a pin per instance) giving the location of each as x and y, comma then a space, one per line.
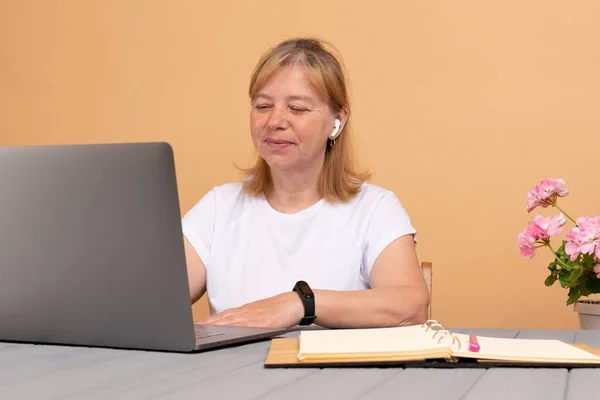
198, 225
388, 222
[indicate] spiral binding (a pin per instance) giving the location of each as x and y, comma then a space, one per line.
439, 329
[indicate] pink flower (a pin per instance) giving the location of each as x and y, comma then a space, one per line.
589, 222
584, 238
527, 242
597, 270
545, 193
550, 226
538, 233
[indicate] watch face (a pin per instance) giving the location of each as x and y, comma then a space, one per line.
304, 289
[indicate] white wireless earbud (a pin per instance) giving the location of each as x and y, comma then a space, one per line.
336, 130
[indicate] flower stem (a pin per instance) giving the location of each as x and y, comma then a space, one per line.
566, 215
558, 259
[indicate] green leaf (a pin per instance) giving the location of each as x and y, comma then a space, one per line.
552, 266
584, 290
563, 277
561, 250
562, 255
551, 279
593, 283
574, 295
575, 275
588, 261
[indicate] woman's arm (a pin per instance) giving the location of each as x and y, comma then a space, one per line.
196, 272
398, 296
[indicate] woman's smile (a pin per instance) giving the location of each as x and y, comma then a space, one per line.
278, 144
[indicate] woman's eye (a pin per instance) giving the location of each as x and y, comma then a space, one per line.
298, 109
263, 106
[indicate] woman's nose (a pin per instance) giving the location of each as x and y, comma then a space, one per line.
277, 119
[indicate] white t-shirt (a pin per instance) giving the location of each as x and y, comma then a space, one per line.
251, 251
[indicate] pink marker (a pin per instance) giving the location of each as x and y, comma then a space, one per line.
473, 343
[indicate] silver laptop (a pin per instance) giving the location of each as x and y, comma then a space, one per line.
91, 251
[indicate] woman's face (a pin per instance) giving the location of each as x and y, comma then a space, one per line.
290, 121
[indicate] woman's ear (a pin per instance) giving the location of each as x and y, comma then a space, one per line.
342, 116
338, 125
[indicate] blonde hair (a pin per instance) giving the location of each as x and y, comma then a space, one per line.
340, 178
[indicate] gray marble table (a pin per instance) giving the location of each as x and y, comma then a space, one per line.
57, 372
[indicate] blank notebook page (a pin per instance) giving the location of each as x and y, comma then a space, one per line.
523, 349
376, 340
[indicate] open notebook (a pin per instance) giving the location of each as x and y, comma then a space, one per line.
419, 344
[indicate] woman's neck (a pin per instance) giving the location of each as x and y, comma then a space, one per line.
292, 192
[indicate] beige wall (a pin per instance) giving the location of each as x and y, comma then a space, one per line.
460, 107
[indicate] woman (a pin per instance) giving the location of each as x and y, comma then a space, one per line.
304, 235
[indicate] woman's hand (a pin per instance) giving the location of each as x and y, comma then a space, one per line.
282, 311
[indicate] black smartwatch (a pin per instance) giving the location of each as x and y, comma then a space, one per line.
308, 300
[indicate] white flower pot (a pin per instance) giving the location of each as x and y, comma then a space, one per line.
589, 314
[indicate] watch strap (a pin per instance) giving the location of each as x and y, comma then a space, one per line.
308, 301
